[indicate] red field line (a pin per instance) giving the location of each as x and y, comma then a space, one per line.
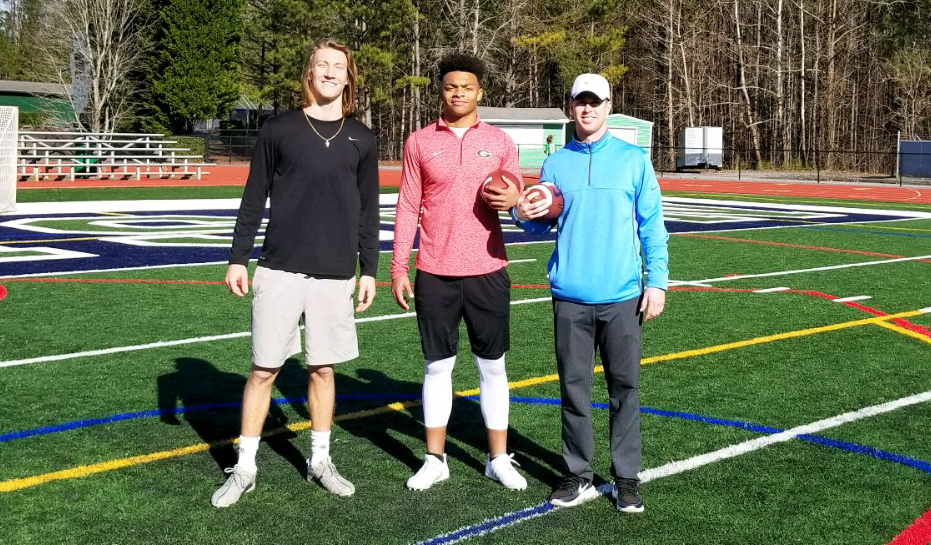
789, 245
233, 175
128, 281
795, 189
917, 533
917, 328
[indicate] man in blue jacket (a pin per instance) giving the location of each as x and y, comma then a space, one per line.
610, 232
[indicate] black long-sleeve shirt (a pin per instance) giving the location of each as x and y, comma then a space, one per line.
324, 199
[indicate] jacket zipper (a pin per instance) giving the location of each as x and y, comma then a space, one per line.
590, 154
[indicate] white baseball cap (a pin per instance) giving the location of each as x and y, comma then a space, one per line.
591, 83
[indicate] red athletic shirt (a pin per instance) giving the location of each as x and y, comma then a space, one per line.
442, 175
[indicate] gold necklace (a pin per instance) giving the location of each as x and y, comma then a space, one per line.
325, 140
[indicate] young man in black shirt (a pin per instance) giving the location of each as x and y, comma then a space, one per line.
319, 168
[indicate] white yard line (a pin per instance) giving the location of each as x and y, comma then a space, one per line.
815, 269
851, 299
194, 340
681, 466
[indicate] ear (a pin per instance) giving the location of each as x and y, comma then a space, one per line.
481, 93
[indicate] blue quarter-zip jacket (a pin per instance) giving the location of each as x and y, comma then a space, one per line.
612, 211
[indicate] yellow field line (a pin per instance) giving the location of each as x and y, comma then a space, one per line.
907, 332
5, 242
85, 470
871, 226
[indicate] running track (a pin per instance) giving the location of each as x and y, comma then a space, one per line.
233, 175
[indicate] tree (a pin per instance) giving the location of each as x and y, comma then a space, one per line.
194, 67
90, 47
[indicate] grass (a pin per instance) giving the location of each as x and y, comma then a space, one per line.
786, 493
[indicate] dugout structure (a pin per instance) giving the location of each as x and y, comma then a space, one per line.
9, 123
914, 157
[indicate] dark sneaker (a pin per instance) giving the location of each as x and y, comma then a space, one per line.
572, 491
626, 496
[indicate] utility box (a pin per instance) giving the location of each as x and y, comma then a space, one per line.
700, 147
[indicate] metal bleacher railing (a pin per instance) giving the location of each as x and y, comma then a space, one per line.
83, 155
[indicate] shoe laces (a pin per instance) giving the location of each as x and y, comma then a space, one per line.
235, 471
572, 482
626, 486
510, 459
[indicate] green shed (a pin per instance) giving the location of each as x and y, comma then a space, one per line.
638, 132
50, 99
529, 128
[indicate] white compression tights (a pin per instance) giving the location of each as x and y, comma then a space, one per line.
438, 392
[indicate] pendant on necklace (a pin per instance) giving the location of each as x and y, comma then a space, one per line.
327, 143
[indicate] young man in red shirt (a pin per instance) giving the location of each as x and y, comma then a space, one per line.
460, 263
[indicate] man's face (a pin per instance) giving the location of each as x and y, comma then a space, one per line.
329, 74
589, 112
461, 93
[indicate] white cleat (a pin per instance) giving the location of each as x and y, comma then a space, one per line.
502, 469
325, 473
431, 472
238, 483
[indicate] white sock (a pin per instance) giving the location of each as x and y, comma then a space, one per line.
438, 392
319, 446
494, 396
248, 446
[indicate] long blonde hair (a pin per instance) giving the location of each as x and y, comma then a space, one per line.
349, 93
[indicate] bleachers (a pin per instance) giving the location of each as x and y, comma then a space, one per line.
81, 155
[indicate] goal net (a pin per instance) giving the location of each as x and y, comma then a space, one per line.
9, 137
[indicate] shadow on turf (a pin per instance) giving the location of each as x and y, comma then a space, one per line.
198, 382
466, 425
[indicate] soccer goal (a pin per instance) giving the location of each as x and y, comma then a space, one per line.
9, 137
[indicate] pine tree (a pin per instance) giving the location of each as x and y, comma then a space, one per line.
194, 65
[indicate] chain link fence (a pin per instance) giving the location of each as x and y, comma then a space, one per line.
228, 146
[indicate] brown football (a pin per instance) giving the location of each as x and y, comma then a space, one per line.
496, 179
551, 194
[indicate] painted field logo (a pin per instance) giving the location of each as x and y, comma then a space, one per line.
60, 237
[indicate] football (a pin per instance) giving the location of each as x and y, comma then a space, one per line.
496, 179
549, 193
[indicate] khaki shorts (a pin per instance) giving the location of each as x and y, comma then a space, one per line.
279, 301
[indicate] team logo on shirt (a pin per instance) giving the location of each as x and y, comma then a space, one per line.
483, 153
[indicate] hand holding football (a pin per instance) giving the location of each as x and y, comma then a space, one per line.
500, 190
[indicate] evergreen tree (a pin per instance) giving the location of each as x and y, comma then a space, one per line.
194, 65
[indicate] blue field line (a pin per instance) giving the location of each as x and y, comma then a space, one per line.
490, 524
85, 423
867, 231
760, 428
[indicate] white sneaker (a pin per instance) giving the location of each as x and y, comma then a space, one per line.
238, 483
431, 472
325, 473
501, 469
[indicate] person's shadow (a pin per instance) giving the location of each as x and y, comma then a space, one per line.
364, 389
211, 403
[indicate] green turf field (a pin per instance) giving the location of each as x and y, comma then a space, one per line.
780, 359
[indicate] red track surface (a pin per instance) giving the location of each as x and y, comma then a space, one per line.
233, 175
